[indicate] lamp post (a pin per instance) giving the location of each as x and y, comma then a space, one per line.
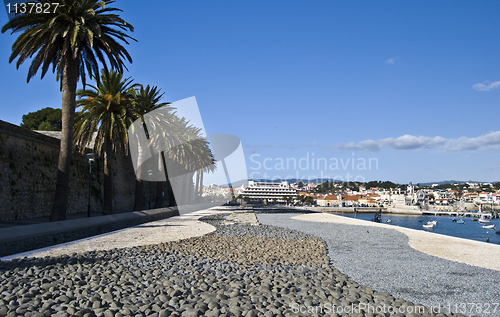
91, 157
150, 172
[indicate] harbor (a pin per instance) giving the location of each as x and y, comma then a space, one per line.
470, 228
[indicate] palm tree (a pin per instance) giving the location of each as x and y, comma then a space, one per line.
206, 164
108, 111
146, 100
179, 143
74, 39
191, 155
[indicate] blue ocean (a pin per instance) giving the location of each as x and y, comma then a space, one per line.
472, 230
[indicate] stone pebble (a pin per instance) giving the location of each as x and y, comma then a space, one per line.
239, 270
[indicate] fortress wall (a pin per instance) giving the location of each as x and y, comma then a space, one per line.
28, 172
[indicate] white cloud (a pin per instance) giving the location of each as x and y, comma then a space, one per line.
368, 145
490, 141
391, 61
407, 142
486, 86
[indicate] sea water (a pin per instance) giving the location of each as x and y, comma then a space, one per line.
472, 230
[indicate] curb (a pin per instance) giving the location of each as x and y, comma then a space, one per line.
19, 239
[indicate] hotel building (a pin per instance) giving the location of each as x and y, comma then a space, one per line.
269, 191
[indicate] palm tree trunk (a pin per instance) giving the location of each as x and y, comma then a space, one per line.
139, 184
201, 184
69, 81
159, 185
108, 185
169, 194
197, 188
139, 187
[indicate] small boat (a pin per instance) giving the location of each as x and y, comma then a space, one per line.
429, 225
483, 219
489, 226
388, 220
461, 221
497, 232
474, 219
454, 220
434, 222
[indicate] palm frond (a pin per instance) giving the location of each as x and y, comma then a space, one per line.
86, 31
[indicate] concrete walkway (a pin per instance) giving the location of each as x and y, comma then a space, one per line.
243, 216
460, 250
16, 239
171, 229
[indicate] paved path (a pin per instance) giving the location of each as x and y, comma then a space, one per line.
471, 252
241, 217
171, 229
390, 259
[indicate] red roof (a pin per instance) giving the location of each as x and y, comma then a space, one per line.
331, 197
350, 197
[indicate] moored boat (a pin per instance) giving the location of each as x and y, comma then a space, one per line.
429, 225
461, 221
489, 226
484, 220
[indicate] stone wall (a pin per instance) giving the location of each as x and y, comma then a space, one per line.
28, 172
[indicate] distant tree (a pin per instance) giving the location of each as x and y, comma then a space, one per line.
46, 119
309, 200
353, 186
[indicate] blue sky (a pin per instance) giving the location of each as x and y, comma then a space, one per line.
413, 86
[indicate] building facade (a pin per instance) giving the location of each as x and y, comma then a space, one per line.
269, 191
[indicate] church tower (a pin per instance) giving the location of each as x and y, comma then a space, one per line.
410, 192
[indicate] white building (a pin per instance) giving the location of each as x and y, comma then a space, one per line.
411, 198
269, 191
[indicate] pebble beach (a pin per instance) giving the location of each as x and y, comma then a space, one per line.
266, 265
